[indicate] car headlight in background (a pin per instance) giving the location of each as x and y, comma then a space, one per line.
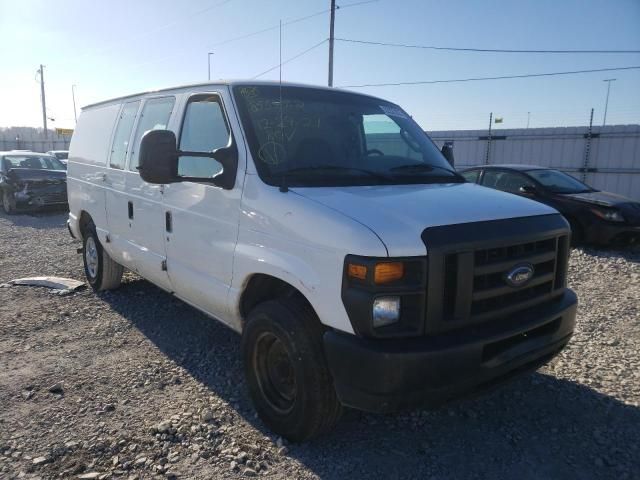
386, 310
608, 215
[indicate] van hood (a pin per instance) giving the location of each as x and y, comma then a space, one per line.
398, 214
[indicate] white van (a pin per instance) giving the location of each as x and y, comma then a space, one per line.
326, 228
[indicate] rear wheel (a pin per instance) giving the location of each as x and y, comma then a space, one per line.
286, 371
8, 202
101, 271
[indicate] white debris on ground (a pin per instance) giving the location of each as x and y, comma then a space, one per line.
63, 286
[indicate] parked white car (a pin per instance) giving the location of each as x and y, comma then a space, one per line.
327, 229
61, 155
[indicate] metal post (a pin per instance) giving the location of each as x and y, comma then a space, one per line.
44, 103
606, 103
209, 65
73, 95
331, 28
587, 152
528, 118
486, 159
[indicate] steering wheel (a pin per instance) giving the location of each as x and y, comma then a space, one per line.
375, 151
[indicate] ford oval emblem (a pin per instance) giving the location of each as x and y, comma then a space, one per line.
519, 275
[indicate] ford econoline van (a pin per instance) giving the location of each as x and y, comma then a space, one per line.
327, 229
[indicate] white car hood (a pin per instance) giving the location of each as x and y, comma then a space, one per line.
399, 213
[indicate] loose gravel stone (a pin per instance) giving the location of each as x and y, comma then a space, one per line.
151, 388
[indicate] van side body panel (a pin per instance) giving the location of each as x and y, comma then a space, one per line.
300, 242
204, 226
88, 155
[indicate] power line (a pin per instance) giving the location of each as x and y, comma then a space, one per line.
477, 50
268, 29
257, 32
291, 22
291, 59
150, 31
503, 77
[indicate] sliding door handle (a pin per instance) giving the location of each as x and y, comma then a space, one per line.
168, 222
130, 209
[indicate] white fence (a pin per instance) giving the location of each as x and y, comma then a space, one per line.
607, 158
25, 138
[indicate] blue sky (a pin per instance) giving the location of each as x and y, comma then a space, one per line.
119, 47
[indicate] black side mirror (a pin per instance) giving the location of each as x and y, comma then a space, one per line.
447, 152
159, 157
528, 190
159, 160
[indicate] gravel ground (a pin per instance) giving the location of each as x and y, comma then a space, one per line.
135, 384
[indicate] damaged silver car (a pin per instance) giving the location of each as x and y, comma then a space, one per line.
31, 180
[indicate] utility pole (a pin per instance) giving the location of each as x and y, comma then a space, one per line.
44, 103
209, 65
587, 150
528, 118
488, 151
606, 103
73, 95
331, 25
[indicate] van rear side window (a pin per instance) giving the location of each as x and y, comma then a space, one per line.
121, 138
155, 116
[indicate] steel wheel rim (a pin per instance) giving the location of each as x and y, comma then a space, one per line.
275, 373
91, 257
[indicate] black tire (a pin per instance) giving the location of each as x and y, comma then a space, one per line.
101, 271
8, 202
309, 406
577, 232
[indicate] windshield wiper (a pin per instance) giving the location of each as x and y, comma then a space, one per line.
423, 167
338, 168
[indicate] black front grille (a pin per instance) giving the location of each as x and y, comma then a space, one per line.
490, 290
467, 271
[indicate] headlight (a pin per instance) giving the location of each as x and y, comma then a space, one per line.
386, 310
385, 296
383, 272
608, 215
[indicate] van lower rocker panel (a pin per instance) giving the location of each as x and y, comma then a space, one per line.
468, 264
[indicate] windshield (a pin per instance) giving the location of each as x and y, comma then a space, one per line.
44, 162
559, 182
317, 137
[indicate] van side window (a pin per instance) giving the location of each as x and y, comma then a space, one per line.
120, 144
155, 116
204, 129
383, 136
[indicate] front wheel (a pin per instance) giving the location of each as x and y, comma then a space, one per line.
101, 271
8, 202
286, 371
577, 232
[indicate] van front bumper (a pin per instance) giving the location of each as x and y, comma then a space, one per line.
388, 375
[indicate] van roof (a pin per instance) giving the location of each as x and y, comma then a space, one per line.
227, 83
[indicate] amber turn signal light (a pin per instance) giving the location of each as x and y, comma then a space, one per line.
388, 272
357, 271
